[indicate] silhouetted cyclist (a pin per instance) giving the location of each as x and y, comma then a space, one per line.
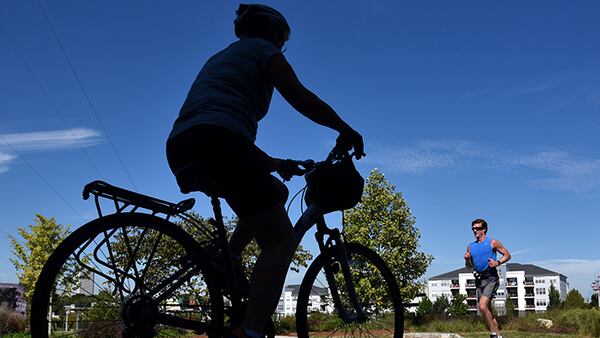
217, 127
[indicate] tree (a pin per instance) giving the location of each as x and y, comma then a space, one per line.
383, 222
425, 307
574, 300
554, 299
8, 298
29, 256
441, 305
252, 251
509, 306
458, 307
594, 301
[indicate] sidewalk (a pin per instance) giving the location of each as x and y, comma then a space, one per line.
415, 335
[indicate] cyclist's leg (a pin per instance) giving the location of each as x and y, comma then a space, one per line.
274, 234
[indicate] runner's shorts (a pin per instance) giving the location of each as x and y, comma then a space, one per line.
487, 285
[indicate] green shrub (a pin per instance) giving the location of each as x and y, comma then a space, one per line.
11, 322
586, 322
285, 324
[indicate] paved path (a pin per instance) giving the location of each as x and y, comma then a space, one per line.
415, 335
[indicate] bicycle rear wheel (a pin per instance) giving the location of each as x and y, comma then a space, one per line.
376, 290
126, 274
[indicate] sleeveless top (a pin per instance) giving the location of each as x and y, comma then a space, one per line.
231, 90
480, 252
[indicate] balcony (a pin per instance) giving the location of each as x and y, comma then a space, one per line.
454, 286
529, 306
472, 296
529, 295
528, 282
470, 284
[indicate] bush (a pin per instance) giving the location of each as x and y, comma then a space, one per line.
586, 322
285, 324
11, 322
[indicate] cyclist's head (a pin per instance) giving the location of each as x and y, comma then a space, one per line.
480, 222
261, 21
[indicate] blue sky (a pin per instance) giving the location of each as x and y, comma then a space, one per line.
471, 109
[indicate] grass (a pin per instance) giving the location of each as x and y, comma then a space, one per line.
515, 334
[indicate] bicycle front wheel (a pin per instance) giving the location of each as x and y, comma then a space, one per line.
380, 312
126, 274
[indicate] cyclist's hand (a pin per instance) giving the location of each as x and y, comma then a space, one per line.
351, 139
289, 168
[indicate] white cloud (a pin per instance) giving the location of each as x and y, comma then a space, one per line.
5, 159
558, 169
44, 141
54, 139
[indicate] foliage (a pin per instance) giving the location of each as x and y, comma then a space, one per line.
509, 306
425, 307
458, 307
594, 301
554, 298
452, 324
198, 227
285, 324
29, 256
567, 323
574, 300
441, 305
383, 222
8, 298
584, 321
11, 322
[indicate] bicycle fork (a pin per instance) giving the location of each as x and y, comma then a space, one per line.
337, 259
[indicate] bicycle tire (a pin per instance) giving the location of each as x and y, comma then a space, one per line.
380, 322
122, 305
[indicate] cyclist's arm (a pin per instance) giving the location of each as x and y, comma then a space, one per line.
304, 101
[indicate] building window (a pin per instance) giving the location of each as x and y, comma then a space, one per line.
540, 291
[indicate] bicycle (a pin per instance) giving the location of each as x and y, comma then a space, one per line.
155, 273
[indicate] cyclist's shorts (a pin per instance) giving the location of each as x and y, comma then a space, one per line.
231, 162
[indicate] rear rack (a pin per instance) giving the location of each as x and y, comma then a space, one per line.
123, 199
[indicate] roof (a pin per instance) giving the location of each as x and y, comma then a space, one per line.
316, 291
12, 286
530, 270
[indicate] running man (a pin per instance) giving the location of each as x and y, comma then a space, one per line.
481, 258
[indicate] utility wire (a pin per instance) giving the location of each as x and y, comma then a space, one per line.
40, 176
54, 107
85, 94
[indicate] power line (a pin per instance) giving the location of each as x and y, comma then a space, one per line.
47, 97
40, 176
85, 94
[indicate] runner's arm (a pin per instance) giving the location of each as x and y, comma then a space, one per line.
498, 247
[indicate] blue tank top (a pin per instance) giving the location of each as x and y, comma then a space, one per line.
480, 252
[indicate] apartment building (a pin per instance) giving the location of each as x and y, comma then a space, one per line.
317, 300
526, 285
16, 301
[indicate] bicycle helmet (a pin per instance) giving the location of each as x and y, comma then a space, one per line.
260, 19
334, 185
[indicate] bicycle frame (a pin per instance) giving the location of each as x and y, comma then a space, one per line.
331, 244
329, 240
